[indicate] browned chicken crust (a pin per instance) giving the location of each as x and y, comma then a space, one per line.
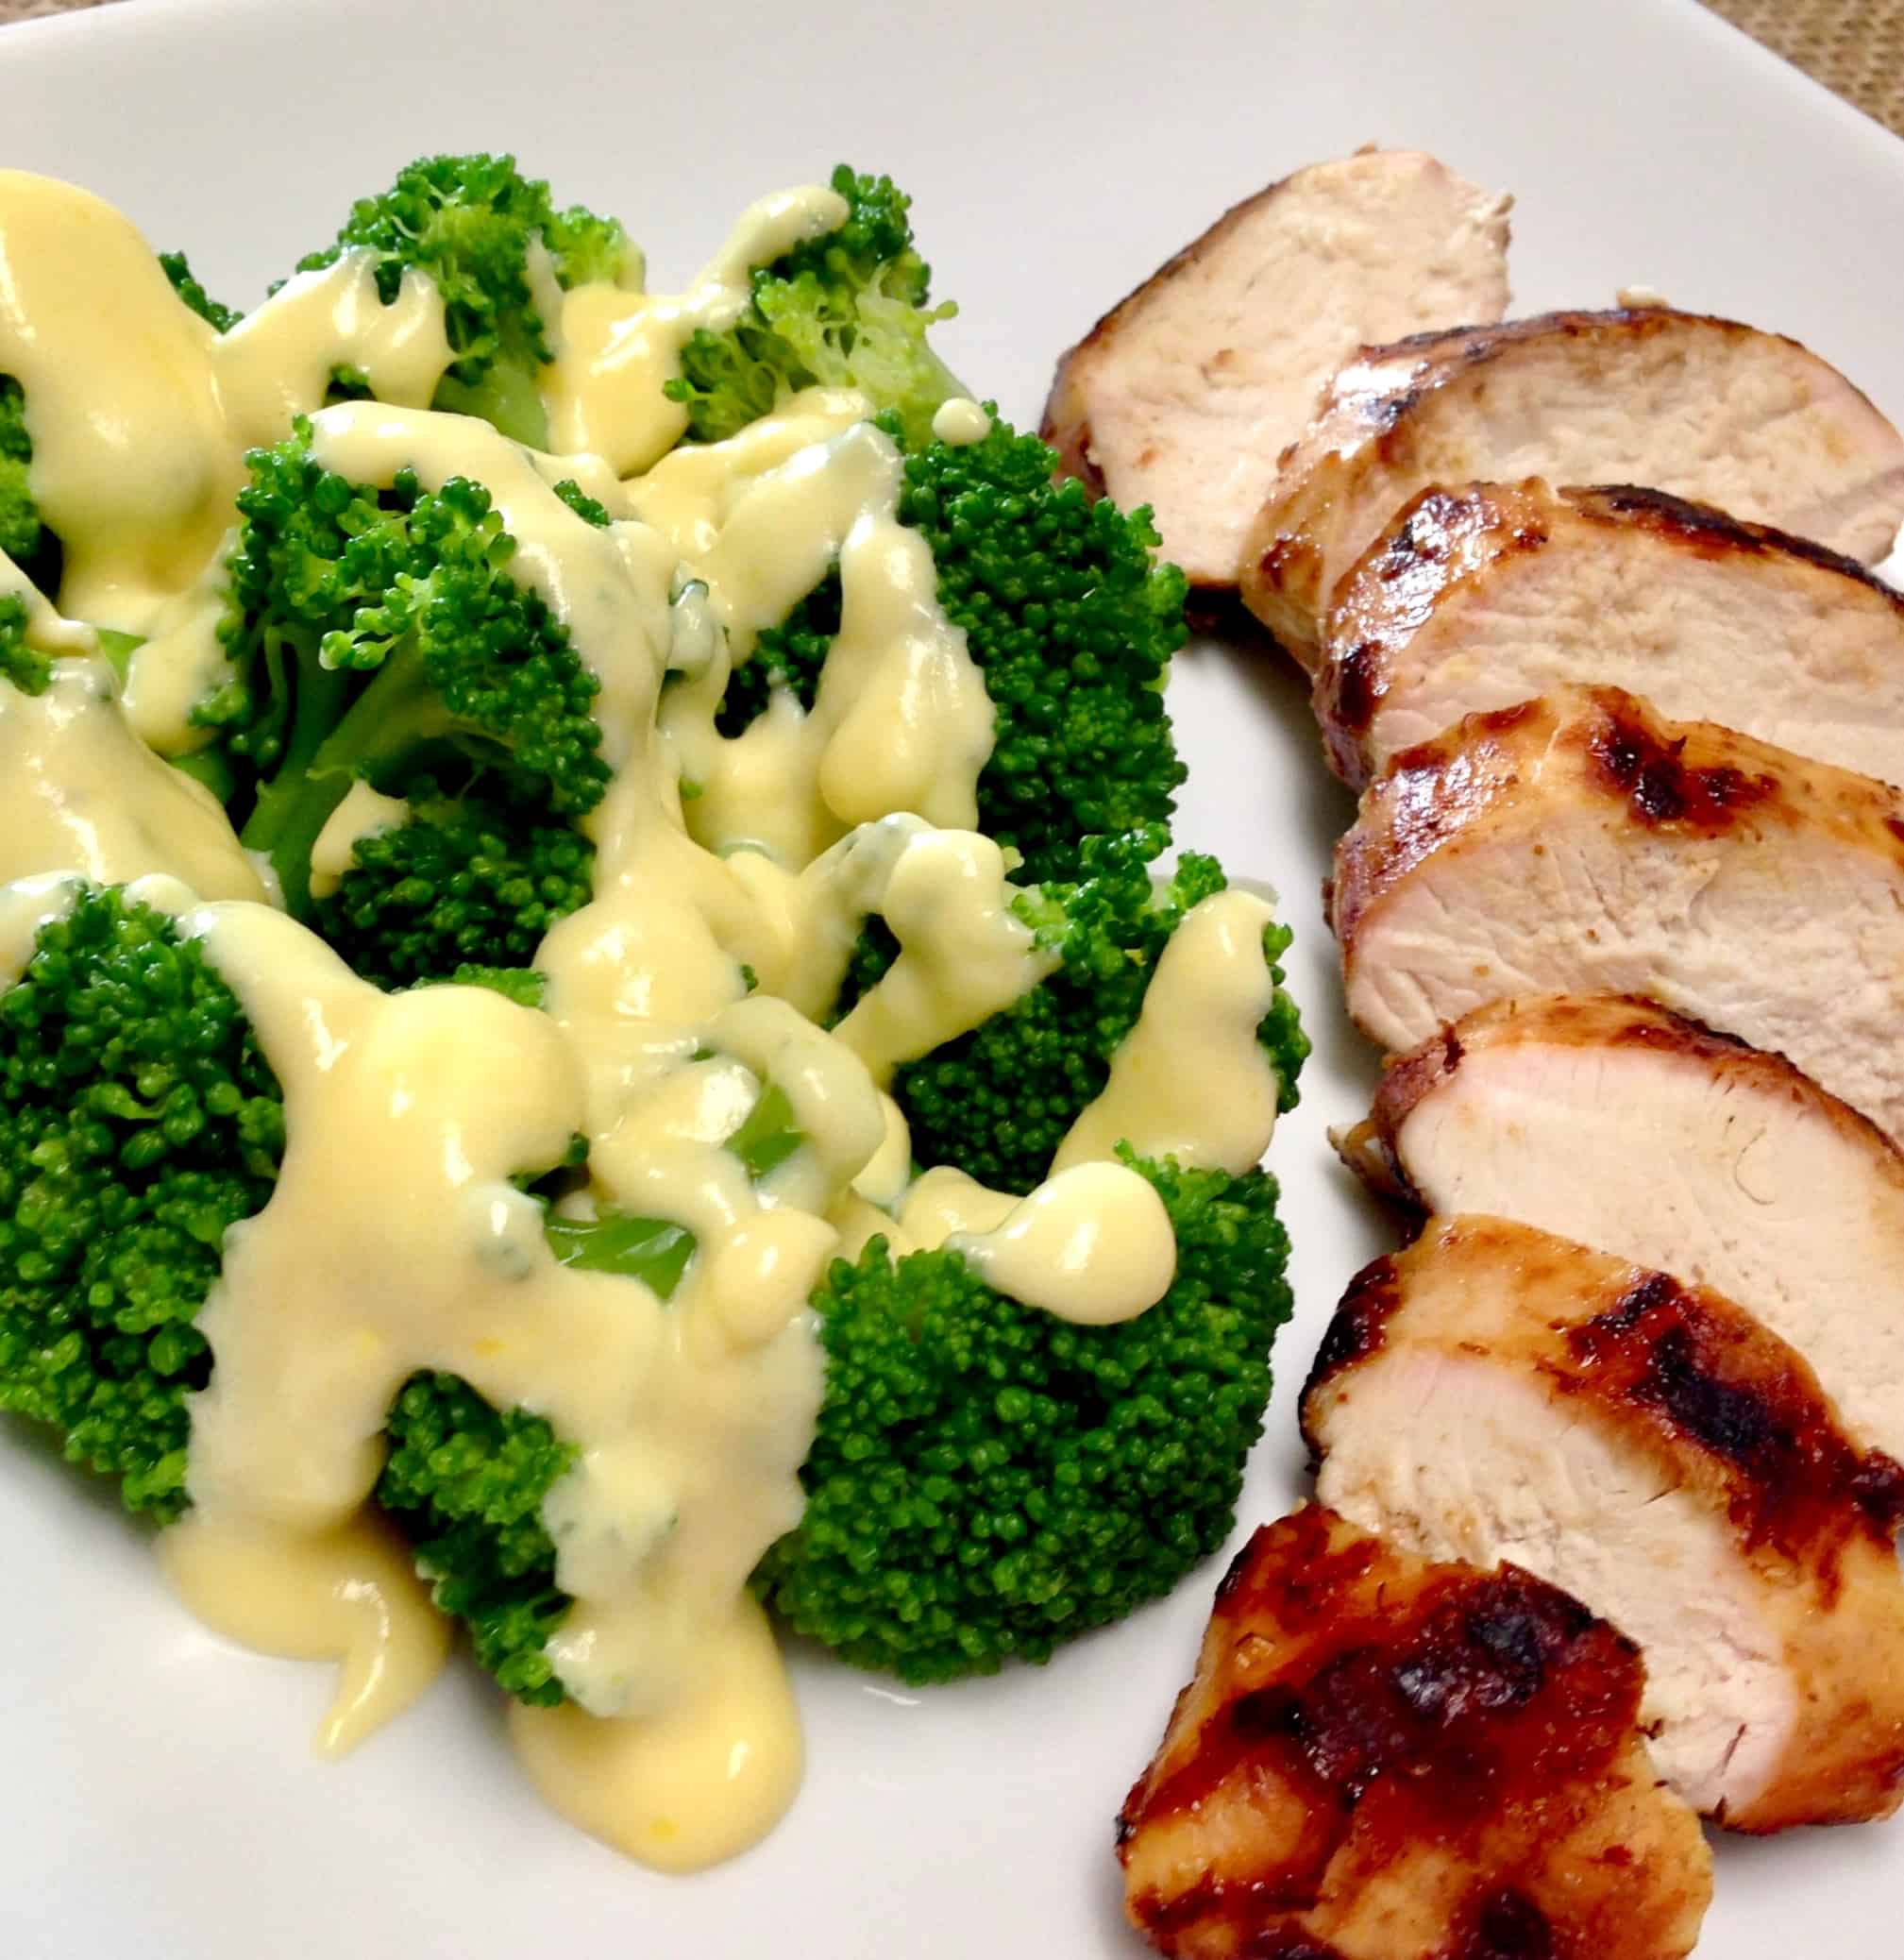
1385, 1759
1502, 1341
1478, 597
1782, 438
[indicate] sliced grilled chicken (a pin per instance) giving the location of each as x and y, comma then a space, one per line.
1704, 408
1477, 597
1494, 1392
1582, 844
1186, 393
1381, 1758
1614, 1122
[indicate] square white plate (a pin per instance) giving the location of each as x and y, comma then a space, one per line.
157, 1797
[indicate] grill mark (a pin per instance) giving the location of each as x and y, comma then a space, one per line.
1507, 1925
1715, 533
1661, 787
1725, 1384
1449, 1698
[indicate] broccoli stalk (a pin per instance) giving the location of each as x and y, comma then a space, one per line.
469, 223
989, 1480
379, 633
848, 310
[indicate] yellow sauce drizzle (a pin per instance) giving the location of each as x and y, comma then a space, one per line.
351, 1596
1092, 1244
84, 794
1191, 1080
616, 350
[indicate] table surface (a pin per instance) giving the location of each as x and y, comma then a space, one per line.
1857, 50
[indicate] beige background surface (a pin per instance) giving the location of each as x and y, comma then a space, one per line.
1855, 47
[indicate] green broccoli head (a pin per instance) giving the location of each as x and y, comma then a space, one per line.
194, 295
1067, 617
138, 1122
468, 881
989, 1480
466, 1481
23, 537
21, 665
380, 635
998, 1100
468, 223
848, 310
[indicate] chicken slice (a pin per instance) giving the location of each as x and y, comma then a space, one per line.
1705, 407
1611, 1122
1381, 1758
1494, 1392
1477, 597
1582, 844
1185, 393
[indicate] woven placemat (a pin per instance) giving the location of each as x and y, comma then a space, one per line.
1855, 47
1857, 50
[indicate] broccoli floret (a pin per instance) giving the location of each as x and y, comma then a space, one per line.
23, 537
998, 1100
1067, 617
468, 1480
21, 665
379, 633
848, 310
138, 1122
789, 655
989, 1480
468, 881
194, 295
469, 222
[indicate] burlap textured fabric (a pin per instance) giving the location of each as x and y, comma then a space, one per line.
1855, 47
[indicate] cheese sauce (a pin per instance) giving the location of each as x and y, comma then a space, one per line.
733, 875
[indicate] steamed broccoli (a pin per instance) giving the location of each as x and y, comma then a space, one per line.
468, 1480
986, 1480
379, 634
468, 878
989, 1480
21, 665
194, 295
23, 537
1069, 619
470, 224
138, 1122
848, 310
998, 1100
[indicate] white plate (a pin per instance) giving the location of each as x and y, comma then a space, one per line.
156, 1798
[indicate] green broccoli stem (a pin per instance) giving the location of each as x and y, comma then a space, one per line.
649, 1249
508, 397
397, 712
